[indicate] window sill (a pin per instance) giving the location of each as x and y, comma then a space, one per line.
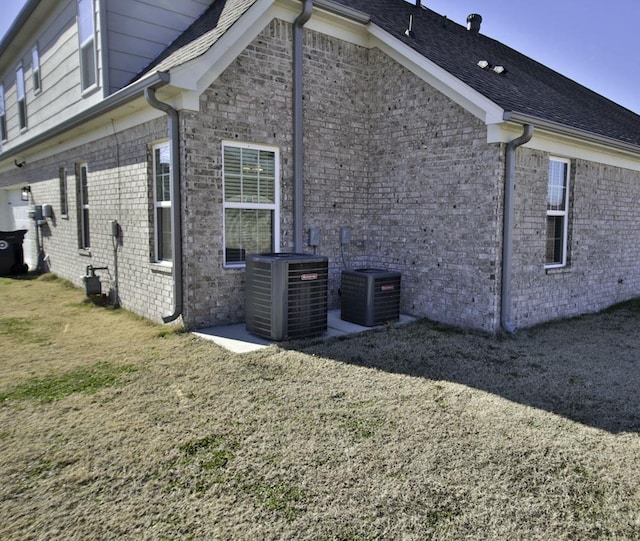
162, 267
86, 92
558, 270
84, 252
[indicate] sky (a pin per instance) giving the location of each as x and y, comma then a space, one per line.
597, 44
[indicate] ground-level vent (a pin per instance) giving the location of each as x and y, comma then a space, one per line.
370, 297
286, 295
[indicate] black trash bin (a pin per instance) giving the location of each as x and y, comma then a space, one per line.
11, 253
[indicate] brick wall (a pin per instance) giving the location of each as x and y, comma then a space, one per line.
434, 200
405, 168
604, 243
249, 103
119, 189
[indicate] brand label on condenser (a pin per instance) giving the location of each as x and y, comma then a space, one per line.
309, 276
387, 287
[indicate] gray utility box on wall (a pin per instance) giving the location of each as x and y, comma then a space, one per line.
370, 297
286, 295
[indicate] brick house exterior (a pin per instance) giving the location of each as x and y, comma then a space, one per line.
406, 148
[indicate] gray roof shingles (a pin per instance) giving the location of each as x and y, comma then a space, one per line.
527, 87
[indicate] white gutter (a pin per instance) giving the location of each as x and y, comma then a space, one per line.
564, 129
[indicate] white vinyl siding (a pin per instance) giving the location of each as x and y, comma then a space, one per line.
557, 212
162, 202
60, 92
139, 30
251, 201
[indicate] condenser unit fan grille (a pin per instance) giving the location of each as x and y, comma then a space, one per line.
286, 295
370, 297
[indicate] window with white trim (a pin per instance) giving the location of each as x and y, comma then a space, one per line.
251, 201
22, 102
35, 70
162, 201
3, 116
87, 37
82, 185
557, 212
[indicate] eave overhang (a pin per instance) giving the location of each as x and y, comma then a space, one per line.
114, 101
565, 130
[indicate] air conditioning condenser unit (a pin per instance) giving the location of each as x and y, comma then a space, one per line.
286, 295
370, 297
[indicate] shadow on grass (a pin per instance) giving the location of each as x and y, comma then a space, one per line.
585, 369
24, 277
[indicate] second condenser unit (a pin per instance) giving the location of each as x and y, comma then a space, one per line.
286, 295
370, 297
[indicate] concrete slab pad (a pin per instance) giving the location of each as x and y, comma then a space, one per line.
237, 339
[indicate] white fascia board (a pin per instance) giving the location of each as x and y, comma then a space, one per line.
198, 74
339, 27
565, 145
443, 81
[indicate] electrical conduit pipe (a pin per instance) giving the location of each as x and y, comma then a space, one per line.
176, 240
507, 228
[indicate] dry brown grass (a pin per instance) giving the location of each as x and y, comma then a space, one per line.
420, 432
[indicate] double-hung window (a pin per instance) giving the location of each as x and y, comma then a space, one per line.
87, 36
162, 201
557, 212
251, 201
22, 102
35, 70
3, 116
82, 181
